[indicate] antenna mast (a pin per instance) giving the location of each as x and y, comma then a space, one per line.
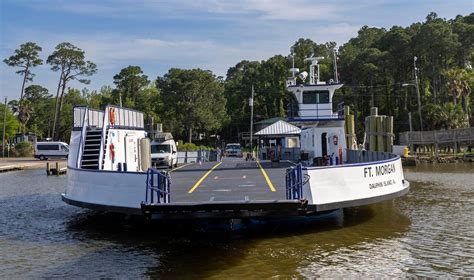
293, 61
314, 78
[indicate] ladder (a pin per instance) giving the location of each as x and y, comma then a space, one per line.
91, 151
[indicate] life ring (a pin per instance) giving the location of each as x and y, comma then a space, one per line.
112, 152
112, 116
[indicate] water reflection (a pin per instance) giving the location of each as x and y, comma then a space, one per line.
187, 251
425, 233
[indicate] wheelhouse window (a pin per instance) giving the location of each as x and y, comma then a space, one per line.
316, 97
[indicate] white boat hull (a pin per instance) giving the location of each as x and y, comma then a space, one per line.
105, 190
349, 185
328, 188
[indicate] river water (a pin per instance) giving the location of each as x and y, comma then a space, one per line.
427, 233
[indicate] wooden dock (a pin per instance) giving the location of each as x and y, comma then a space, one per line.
436, 139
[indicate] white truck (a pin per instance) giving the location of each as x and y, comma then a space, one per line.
164, 151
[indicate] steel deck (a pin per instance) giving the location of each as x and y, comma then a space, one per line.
233, 179
231, 188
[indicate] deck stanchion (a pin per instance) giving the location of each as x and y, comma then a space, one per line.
152, 185
147, 184
300, 181
57, 168
293, 184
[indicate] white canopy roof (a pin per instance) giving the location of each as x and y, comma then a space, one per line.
279, 128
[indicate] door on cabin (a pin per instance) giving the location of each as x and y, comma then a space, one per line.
131, 153
324, 144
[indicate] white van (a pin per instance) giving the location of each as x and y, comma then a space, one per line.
164, 153
45, 150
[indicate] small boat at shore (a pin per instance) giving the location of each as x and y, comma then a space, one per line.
109, 169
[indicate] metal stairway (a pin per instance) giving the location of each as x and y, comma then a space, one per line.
91, 152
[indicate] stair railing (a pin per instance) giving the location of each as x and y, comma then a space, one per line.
82, 141
105, 126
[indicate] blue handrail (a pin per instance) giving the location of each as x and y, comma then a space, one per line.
294, 182
157, 182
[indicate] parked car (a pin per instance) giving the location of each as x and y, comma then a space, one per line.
164, 153
233, 150
45, 150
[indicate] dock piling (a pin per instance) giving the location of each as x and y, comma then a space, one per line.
56, 170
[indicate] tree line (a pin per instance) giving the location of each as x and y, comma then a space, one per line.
378, 67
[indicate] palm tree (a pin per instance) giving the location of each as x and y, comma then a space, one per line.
446, 116
23, 110
460, 83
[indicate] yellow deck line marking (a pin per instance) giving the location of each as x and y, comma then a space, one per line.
270, 185
180, 167
203, 177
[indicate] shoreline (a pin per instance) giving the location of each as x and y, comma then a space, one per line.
24, 163
444, 159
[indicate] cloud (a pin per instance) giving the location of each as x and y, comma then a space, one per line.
298, 10
291, 10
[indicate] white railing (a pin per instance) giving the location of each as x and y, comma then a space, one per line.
80, 151
78, 116
126, 118
105, 120
95, 117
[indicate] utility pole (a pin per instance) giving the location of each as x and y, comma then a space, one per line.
411, 129
251, 122
417, 92
120, 98
409, 121
4, 127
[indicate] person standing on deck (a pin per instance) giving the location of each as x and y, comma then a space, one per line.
219, 155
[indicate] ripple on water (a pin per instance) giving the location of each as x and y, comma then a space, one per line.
427, 233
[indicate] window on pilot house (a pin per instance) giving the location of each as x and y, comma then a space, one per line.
315, 97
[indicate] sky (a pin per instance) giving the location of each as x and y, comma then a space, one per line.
208, 34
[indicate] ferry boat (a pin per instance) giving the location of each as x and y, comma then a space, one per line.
109, 169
